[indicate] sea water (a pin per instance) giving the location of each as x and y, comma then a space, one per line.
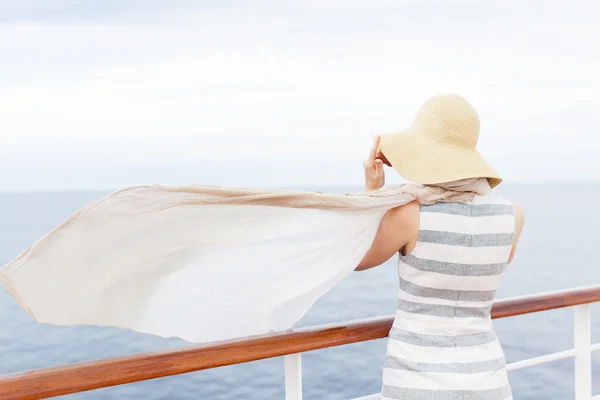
557, 251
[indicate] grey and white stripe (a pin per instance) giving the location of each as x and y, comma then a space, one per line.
426, 340
455, 368
446, 294
394, 392
463, 239
470, 210
449, 268
435, 285
439, 310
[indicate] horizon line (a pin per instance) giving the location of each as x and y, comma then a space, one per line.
279, 187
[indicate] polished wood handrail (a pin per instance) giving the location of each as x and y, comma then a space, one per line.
84, 376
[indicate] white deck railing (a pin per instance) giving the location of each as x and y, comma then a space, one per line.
582, 352
74, 378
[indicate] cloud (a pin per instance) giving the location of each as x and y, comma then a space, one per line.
286, 85
91, 11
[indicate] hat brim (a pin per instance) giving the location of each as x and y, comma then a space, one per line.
427, 161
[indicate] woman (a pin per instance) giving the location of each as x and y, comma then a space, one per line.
442, 345
206, 264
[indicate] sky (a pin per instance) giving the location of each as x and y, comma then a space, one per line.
108, 94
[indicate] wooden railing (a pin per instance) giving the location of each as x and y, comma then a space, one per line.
50, 382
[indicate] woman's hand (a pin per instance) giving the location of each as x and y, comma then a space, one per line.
374, 174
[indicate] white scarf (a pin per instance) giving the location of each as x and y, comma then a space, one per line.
204, 263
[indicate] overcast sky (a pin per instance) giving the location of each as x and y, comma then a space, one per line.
106, 94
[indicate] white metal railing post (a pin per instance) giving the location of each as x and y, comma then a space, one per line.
583, 353
293, 377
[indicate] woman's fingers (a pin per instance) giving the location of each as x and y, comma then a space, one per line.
374, 170
374, 148
374, 173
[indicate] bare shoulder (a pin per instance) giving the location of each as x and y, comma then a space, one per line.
399, 227
408, 211
406, 215
406, 220
401, 222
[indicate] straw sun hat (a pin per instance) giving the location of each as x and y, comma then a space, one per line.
440, 144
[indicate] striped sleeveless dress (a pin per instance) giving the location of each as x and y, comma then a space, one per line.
442, 345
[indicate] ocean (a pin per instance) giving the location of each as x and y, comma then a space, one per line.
557, 251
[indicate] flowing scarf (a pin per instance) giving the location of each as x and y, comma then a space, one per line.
205, 263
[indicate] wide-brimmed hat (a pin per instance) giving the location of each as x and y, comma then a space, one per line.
440, 144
